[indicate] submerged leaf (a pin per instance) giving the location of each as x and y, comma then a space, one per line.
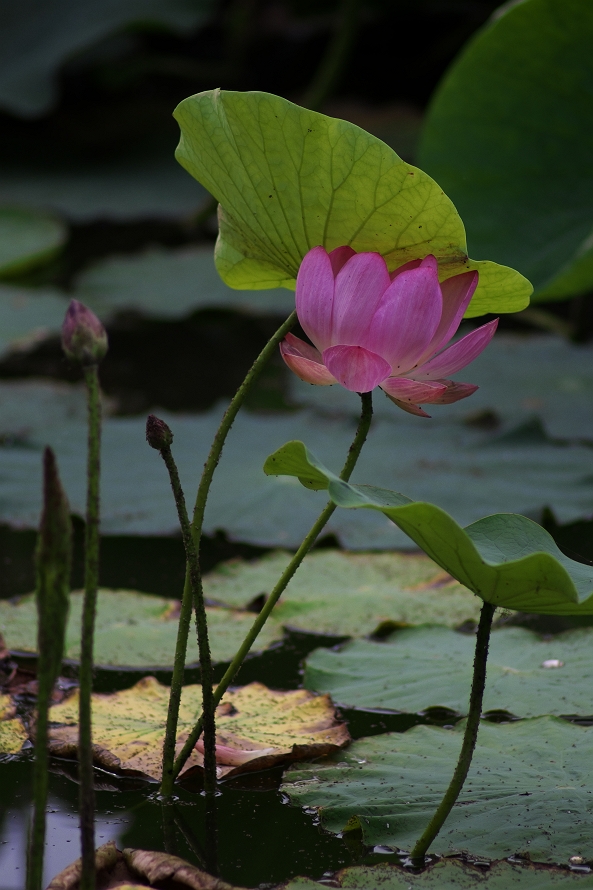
255, 728
424, 667
528, 791
289, 179
506, 559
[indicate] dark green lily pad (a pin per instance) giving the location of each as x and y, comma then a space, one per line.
509, 136
348, 594
451, 874
424, 667
132, 629
289, 179
506, 559
170, 284
37, 38
27, 238
529, 790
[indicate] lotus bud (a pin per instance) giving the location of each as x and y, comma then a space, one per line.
84, 338
158, 434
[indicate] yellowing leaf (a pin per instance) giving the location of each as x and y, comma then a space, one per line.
256, 728
12, 731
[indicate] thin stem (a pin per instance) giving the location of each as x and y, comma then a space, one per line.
91, 580
180, 652
316, 528
40, 784
469, 738
196, 528
328, 74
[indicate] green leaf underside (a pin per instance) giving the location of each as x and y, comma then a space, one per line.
133, 630
289, 179
509, 136
450, 874
528, 791
506, 559
347, 594
27, 238
429, 667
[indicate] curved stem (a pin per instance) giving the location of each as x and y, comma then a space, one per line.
203, 644
91, 580
196, 530
328, 74
469, 739
316, 528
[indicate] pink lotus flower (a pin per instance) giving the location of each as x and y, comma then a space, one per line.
372, 328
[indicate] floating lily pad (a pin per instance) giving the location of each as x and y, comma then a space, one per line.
255, 728
529, 790
289, 179
441, 461
170, 284
424, 667
36, 39
348, 594
509, 136
133, 629
451, 874
506, 559
12, 731
27, 238
28, 316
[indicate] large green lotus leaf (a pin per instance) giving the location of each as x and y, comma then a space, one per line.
509, 136
170, 284
28, 315
444, 462
347, 594
27, 238
506, 559
289, 179
38, 37
450, 874
256, 728
528, 791
133, 629
147, 185
519, 377
424, 667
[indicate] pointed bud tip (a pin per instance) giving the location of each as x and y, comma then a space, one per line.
84, 338
158, 434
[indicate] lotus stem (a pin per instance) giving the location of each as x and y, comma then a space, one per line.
231, 672
328, 74
91, 580
212, 460
159, 436
469, 738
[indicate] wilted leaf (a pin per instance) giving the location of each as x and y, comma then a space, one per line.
506, 559
255, 728
289, 179
423, 667
509, 135
27, 238
107, 857
528, 791
36, 39
348, 594
170, 284
133, 629
12, 731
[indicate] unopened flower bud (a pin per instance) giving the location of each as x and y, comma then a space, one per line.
84, 338
158, 434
